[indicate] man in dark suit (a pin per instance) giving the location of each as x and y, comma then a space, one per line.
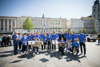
15, 41
61, 35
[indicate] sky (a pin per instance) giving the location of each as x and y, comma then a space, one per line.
50, 8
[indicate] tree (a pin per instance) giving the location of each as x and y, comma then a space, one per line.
71, 31
84, 30
94, 31
28, 24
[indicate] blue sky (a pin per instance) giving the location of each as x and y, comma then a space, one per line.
51, 8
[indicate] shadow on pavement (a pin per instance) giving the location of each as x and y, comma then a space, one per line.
98, 44
6, 53
44, 60
15, 61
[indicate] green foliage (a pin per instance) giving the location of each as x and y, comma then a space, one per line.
71, 31
28, 24
94, 31
84, 30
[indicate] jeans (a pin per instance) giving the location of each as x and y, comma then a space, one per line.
68, 45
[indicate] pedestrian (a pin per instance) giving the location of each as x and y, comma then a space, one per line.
20, 42
24, 43
15, 41
0, 40
82, 39
74, 36
49, 39
98, 38
75, 47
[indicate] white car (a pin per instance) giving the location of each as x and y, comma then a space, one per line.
91, 37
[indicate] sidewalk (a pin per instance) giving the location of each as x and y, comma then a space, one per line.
51, 59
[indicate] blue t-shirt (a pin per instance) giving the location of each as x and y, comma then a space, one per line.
69, 37
58, 34
41, 36
29, 37
38, 37
49, 38
74, 36
44, 39
33, 37
24, 40
54, 36
65, 35
76, 45
82, 38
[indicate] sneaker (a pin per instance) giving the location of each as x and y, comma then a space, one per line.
21, 52
30, 49
33, 54
37, 53
19, 49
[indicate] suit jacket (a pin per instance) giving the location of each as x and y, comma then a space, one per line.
61, 36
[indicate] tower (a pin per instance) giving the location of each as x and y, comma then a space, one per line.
96, 10
43, 16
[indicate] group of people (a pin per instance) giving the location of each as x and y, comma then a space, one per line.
50, 41
5, 41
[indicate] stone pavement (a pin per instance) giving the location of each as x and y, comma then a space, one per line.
51, 59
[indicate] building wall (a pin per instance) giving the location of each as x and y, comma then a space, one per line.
75, 24
96, 11
42, 24
7, 24
88, 24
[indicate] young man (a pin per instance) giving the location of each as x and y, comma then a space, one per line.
82, 39
49, 39
29, 38
68, 39
75, 47
74, 36
24, 43
44, 41
65, 35
53, 40
20, 42
61, 48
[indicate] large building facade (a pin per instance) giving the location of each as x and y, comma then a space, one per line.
45, 25
96, 10
88, 24
7, 24
75, 25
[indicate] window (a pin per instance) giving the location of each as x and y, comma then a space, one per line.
94, 15
41, 23
59, 23
98, 10
94, 10
56, 23
50, 23
98, 15
1, 21
53, 23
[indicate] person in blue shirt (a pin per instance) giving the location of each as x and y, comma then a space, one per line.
54, 39
82, 39
38, 36
44, 41
49, 34
20, 42
68, 40
29, 38
65, 35
58, 34
74, 36
33, 37
24, 43
49, 39
61, 48
75, 46
36, 49
41, 36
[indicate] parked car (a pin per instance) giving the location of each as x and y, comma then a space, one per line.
91, 37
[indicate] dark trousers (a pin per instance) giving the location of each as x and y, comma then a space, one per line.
75, 50
2, 43
20, 44
61, 49
54, 46
84, 46
35, 49
42, 47
29, 47
15, 47
49, 45
6, 43
45, 45
24, 48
